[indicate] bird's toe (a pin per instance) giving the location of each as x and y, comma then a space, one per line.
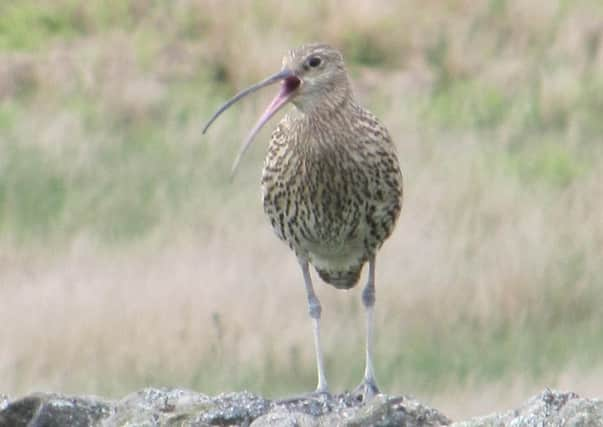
365, 391
312, 395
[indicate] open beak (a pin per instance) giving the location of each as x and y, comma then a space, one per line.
290, 83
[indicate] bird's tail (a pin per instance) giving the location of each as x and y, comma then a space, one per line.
345, 279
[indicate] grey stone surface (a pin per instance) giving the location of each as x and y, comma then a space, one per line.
184, 408
548, 409
54, 410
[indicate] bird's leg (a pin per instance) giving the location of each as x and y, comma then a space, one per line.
368, 387
314, 309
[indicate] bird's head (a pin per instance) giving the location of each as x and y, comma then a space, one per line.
312, 77
318, 75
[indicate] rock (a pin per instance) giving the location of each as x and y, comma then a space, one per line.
167, 407
176, 407
344, 410
549, 408
158, 407
54, 410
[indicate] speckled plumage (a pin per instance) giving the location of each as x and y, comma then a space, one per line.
331, 184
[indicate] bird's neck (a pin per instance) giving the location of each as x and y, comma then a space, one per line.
331, 107
326, 101
321, 129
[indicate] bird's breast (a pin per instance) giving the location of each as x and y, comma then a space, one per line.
327, 201
313, 203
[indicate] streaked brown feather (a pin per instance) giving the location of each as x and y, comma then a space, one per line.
331, 184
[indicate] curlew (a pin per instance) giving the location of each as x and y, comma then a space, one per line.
331, 184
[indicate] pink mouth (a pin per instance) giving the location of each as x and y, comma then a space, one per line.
290, 84
288, 88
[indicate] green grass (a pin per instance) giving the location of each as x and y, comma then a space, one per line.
552, 164
30, 25
468, 104
133, 182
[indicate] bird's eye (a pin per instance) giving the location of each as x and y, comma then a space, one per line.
314, 61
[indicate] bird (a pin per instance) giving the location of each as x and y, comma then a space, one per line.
331, 185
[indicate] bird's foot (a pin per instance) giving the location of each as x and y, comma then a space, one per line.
366, 390
318, 394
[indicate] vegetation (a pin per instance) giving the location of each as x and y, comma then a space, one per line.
128, 258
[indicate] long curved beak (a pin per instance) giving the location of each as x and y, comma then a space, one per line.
290, 84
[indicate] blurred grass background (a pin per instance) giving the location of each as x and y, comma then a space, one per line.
128, 258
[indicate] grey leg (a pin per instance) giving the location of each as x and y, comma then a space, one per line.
368, 387
314, 309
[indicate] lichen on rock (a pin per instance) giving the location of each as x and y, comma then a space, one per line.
178, 407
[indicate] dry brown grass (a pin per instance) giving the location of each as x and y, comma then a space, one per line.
500, 230
98, 321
